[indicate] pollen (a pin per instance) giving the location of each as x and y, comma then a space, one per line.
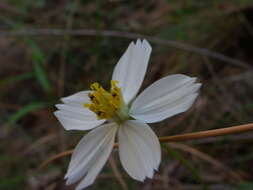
106, 104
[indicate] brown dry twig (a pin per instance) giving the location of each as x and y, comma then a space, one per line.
175, 138
129, 35
216, 163
117, 173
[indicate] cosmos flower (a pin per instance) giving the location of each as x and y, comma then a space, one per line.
118, 112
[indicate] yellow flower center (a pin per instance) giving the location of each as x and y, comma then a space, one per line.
107, 104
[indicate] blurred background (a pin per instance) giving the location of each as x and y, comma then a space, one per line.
50, 49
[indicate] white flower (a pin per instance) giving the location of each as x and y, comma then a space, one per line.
125, 115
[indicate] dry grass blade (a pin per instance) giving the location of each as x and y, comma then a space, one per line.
175, 138
111, 33
55, 157
208, 159
39, 142
117, 173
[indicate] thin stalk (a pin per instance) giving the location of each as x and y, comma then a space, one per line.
208, 133
176, 138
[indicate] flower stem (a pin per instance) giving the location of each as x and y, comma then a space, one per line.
208, 133
176, 138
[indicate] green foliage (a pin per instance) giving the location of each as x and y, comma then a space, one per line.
16, 78
12, 182
25, 5
25, 110
245, 186
11, 176
39, 60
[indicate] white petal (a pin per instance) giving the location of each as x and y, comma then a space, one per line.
90, 155
131, 68
77, 99
164, 98
74, 116
74, 121
139, 149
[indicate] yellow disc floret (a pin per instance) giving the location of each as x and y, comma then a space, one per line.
107, 104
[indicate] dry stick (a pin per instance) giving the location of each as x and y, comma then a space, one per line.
55, 157
117, 173
176, 138
203, 156
129, 35
208, 133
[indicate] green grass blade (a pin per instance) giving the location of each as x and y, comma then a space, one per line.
16, 78
39, 60
25, 110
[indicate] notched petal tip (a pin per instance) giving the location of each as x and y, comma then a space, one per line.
138, 41
131, 68
198, 86
146, 44
139, 150
58, 106
56, 113
164, 98
90, 155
